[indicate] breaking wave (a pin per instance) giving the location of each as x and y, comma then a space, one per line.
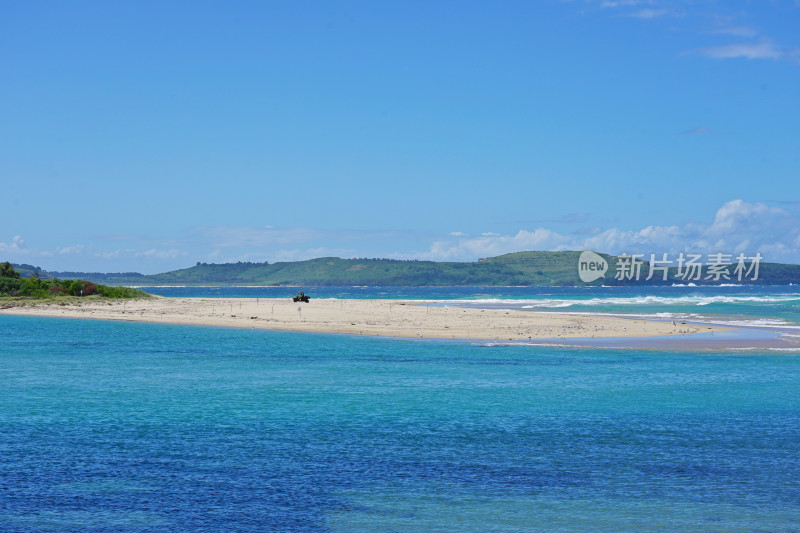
695, 300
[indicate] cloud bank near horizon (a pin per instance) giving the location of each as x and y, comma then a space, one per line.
737, 226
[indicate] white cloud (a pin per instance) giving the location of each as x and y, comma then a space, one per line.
737, 226
736, 31
623, 7
649, 238
80, 257
648, 14
242, 237
312, 253
493, 244
16, 244
14, 250
75, 249
738, 216
760, 50
161, 254
623, 3
717, 20
109, 255
700, 130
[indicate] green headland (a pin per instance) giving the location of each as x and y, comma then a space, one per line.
515, 269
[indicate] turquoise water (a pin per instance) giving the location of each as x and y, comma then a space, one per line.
142, 427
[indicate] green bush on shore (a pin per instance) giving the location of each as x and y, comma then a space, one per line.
119, 292
12, 285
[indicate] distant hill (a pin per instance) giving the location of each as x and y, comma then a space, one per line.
514, 269
30, 271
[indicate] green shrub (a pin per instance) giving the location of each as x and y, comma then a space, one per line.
7, 271
10, 286
120, 292
76, 288
44, 288
34, 287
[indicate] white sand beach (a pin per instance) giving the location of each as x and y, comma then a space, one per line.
391, 318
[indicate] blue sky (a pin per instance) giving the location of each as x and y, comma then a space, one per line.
147, 136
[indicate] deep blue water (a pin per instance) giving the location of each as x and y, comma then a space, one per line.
108, 426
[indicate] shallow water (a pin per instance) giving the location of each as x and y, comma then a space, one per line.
141, 427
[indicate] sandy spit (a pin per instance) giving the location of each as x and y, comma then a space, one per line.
391, 318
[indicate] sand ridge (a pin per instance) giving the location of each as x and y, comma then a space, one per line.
394, 318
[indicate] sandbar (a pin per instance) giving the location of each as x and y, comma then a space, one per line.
390, 318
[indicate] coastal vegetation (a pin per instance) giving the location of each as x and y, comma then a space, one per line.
515, 269
12, 284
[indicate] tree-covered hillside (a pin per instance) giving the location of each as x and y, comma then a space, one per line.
520, 269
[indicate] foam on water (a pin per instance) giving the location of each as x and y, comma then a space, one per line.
696, 300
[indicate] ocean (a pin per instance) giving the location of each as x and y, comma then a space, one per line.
133, 427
